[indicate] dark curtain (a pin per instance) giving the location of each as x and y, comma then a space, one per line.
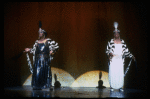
82, 30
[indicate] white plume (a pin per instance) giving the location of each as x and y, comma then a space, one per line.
115, 25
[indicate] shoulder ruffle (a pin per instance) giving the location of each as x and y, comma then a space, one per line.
48, 39
112, 41
122, 41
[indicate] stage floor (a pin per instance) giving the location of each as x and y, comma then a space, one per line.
72, 92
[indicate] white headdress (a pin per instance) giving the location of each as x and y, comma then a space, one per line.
116, 26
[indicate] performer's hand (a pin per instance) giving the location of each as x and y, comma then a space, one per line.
51, 52
110, 59
27, 49
110, 56
133, 58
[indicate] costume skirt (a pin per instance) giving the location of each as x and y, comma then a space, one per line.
42, 76
116, 73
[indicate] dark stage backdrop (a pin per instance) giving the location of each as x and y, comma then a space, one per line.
82, 30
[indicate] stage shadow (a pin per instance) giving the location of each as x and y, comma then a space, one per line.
39, 93
116, 94
100, 82
57, 84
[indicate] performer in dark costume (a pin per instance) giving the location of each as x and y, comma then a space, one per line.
42, 55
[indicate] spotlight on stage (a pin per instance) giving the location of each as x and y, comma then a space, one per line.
90, 79
63, 77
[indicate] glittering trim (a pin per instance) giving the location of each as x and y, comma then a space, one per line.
29, 63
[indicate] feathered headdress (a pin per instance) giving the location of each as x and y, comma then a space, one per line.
116, 26
41, 30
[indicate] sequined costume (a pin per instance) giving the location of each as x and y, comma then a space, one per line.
42, 76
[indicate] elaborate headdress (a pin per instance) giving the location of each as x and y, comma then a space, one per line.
41, 30
116, 26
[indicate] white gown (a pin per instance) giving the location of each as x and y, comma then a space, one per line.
116, 68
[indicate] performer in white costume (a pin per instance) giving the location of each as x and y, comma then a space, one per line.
116, 51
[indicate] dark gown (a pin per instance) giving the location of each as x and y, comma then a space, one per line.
42, 77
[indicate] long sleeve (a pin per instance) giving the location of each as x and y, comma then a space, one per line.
126, 51
110, 47
33, 50
53, 46
34, 47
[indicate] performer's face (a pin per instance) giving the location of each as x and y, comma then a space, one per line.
116, 35
41, 34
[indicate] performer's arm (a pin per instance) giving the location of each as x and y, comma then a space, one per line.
53, 46
126, 51
31, 50
51, 52
27, 49
109, 50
